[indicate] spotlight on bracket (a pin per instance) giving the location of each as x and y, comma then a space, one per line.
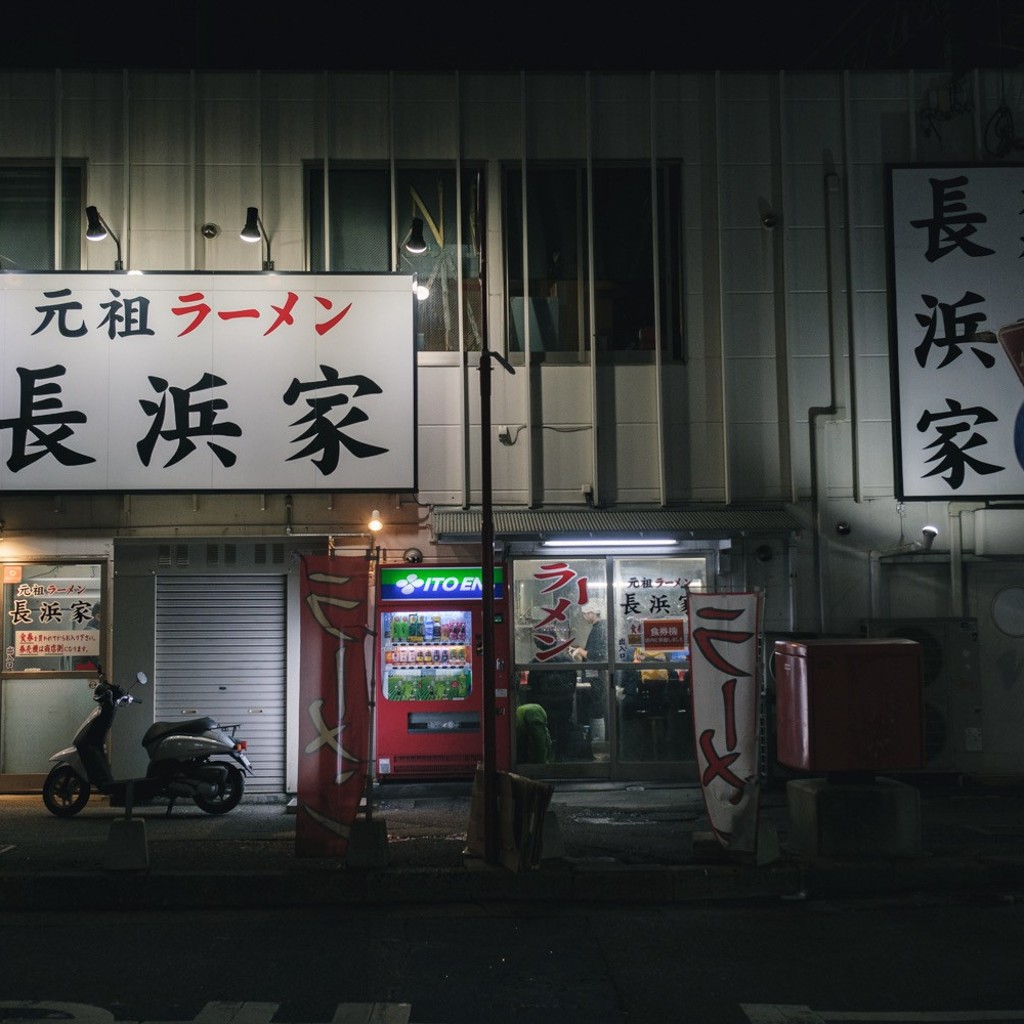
928, 535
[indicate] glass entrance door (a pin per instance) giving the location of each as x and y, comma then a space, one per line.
602, 665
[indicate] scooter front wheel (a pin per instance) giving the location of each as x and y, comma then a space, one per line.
65, 792
230, 795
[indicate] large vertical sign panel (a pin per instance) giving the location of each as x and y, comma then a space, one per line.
203, 381
957, 307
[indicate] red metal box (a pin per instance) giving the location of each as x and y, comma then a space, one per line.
849, 705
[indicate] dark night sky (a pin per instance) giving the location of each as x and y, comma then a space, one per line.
638, 35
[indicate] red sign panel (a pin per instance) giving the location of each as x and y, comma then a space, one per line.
664, 634
334, 724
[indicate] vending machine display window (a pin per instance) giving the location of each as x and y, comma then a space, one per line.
427, 656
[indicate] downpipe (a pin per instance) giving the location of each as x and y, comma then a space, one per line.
815, 413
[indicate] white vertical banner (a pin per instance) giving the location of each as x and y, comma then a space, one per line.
724, 643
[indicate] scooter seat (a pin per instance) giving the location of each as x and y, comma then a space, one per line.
186, 727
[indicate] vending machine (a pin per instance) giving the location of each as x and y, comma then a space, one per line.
429, 701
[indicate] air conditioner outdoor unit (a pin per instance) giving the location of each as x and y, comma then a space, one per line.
952, 687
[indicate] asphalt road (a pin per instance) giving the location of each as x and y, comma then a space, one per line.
880, 960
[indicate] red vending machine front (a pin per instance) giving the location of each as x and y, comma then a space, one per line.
430, 672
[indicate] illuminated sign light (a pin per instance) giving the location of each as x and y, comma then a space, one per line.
421, 584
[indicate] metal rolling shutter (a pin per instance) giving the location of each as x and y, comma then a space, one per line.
220, 651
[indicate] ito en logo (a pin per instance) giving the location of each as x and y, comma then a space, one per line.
410, 584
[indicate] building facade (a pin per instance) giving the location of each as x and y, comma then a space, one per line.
692, 278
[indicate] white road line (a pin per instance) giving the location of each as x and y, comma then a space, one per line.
372, 1013
934, 1017
768, 1013
211, 1013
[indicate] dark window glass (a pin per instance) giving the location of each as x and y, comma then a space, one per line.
553, 284
555, 292
360, 236
27, 218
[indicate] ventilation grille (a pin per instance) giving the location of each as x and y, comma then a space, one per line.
173, 556
214, 555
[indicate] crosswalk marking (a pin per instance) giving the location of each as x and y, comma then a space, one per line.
237, 1013
37, 1011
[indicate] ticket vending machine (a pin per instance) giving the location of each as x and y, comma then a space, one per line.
430, 677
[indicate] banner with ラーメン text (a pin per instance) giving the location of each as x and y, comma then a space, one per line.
163, 382
334, 717
724, 644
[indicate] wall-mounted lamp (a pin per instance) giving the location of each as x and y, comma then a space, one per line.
255, 232
414, 241
375, 525
97, 229
928, 535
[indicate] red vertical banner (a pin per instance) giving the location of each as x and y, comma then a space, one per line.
723, 676
334, 722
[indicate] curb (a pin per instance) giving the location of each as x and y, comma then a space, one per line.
334, 885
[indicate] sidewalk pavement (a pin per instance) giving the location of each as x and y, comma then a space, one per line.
606, 842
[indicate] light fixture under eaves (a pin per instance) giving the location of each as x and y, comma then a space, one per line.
613, 542
375, 524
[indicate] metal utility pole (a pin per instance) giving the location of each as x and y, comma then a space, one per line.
487, 542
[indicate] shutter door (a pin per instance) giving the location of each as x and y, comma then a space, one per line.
220, 651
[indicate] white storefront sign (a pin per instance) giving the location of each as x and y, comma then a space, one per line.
957, 337
207, 382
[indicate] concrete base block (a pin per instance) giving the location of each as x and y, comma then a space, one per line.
127, 848
368, 844
708, 848
881, 818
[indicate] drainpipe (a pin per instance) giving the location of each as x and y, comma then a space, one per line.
832, 198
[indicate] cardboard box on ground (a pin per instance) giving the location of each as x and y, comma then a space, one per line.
522, 805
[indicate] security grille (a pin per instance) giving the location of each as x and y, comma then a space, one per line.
220, 651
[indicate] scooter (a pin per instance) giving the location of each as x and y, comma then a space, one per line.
181, 761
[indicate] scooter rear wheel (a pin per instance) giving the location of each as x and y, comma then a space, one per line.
230, 796
65, 792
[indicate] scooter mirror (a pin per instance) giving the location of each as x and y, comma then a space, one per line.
141, 678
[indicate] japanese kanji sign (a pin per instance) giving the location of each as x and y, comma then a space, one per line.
957, 337
723, 678
334, 724
207, 382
